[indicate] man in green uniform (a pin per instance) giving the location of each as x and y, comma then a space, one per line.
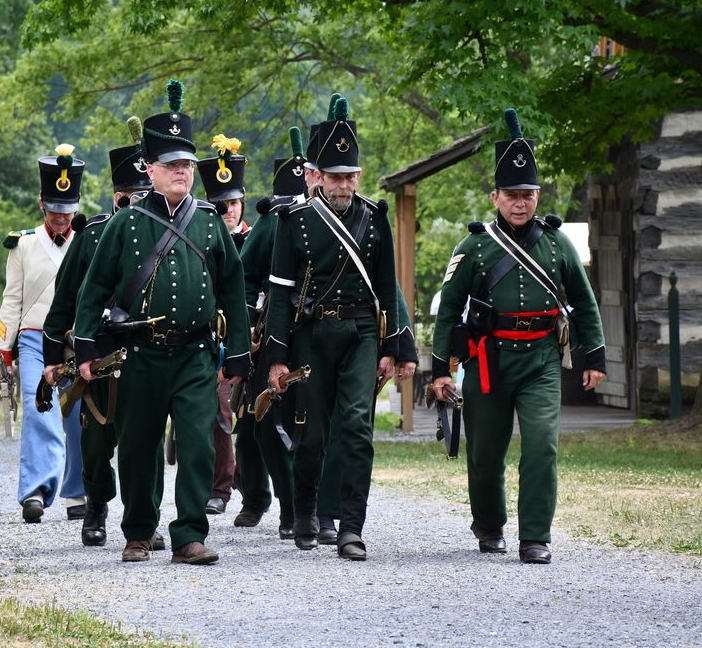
329, 494
515, 271
170, 256
329, 498
332, 278
260, 451
129, 182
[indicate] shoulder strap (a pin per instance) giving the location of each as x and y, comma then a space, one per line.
177, 227
508, 261
163, 246
358, 229
533, 268
344, 236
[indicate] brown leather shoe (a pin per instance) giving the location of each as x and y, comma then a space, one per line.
194, 553
136, 551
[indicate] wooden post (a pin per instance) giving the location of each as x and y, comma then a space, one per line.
674, 348
405, 226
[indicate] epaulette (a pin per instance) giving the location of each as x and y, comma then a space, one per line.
371, 203
553, 221
207, 206
285, 210
263, 206
476, 227
12, 238
78, 223
380, 207
240, 237
97, 220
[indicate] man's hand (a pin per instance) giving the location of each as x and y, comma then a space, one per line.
254, 345
234, 380
592, 378
386, 368
49, 374
275, 372
85, 372
405, 370
439, 384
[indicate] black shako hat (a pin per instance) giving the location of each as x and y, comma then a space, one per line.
223, 176
289, 173
127, 162
338, 145
313, 143
60, 177
168, 136
515, 164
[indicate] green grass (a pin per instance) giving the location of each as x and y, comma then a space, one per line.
636, 487
46, 626
387, 421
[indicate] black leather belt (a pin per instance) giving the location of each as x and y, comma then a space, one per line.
169, 337
517, 323
344, 311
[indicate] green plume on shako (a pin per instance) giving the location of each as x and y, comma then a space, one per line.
332, 102
296, 141
512, 121
341, 109
136, 131
174, 88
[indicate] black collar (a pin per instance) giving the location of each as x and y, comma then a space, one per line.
158, 200
516, 233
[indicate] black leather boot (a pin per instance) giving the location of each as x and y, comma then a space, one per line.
94, 533
285, 529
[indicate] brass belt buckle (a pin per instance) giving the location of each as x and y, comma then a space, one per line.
329, 313
156, 336
523, 324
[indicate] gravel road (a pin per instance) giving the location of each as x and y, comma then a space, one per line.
424, 584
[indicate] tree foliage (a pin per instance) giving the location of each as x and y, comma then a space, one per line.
418, 73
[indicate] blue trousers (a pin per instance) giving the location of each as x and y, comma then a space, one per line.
43, 452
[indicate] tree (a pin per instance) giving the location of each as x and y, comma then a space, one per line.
418, 73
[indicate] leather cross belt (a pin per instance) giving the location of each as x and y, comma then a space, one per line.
344, 311
169, 337
517, 323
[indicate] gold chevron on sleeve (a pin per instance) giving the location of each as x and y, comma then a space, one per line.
453, 264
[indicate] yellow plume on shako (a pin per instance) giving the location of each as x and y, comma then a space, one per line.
64, 161
228, 146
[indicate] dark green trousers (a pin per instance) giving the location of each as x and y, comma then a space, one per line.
97, 444
260, 452
278, 459
530, 384
344, 358
329, 496
253, 474
157, 382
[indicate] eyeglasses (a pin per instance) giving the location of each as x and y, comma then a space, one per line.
186, 165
